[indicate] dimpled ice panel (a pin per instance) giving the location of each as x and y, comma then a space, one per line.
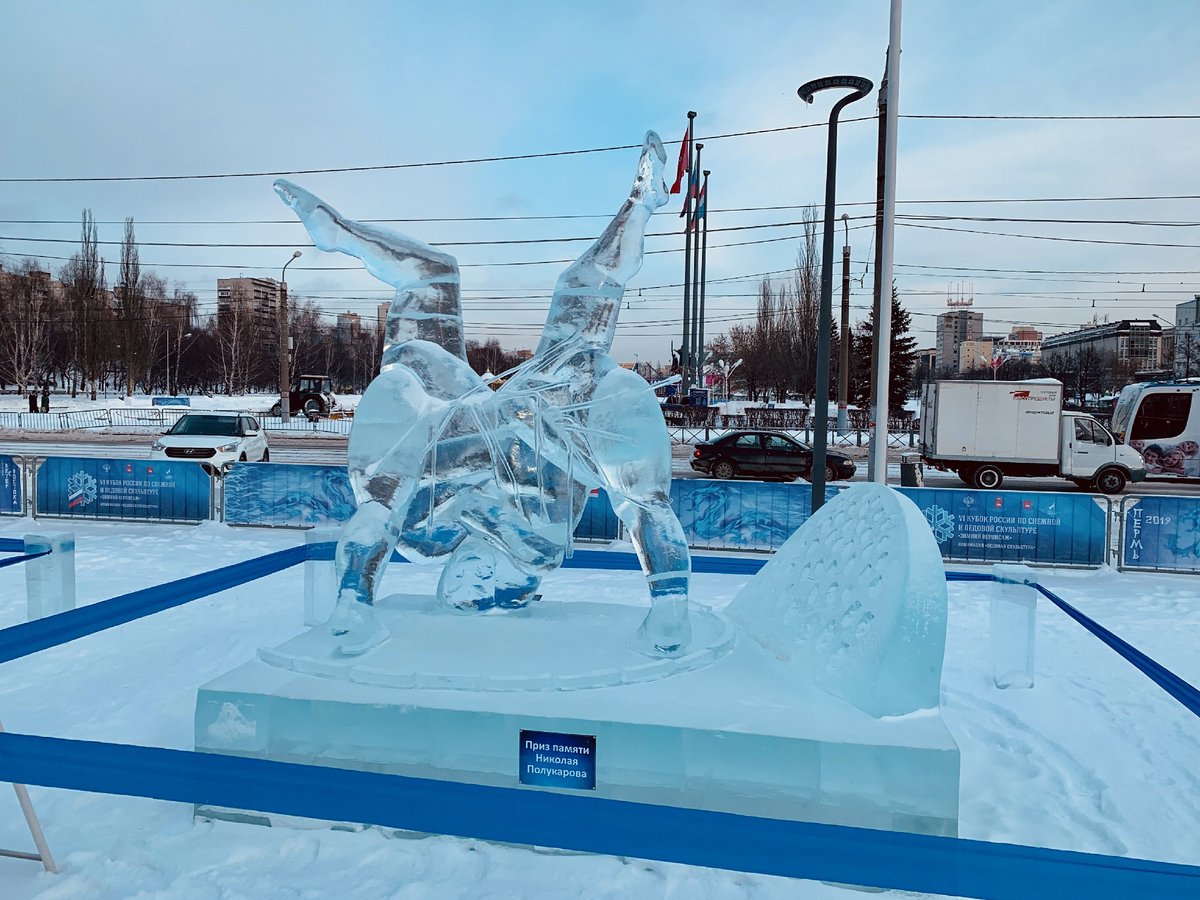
855, 600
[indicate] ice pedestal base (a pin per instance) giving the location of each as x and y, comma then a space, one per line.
725, 728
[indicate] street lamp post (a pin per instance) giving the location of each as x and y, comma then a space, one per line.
859, 87
285, 380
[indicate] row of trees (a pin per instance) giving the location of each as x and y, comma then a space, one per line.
76, 333
778, 352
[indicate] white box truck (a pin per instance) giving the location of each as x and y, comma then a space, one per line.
986, 430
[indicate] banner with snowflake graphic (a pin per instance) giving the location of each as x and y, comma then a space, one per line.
146, 490
1015, 526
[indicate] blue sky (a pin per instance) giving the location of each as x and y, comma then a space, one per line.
154, 88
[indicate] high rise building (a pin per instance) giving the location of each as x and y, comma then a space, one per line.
952, 329
257, 298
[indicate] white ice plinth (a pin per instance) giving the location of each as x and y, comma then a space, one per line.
726, 728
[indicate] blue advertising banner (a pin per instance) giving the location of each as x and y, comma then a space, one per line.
155, 490
599, 522
287, 495
1162, 533
550, 759
750, 515
170, 401
10, 488
1014, 526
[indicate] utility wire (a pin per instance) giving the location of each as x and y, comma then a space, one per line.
556, 153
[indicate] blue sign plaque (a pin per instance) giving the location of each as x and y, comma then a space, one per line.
550, 759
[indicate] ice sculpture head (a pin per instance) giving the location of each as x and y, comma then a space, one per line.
856, 601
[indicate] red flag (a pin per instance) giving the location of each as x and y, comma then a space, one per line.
684, 154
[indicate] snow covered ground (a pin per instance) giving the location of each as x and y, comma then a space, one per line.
1094, 758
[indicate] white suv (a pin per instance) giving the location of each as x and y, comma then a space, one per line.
217, 440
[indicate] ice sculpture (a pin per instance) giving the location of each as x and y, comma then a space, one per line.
1013, 623
856, 600
443, 466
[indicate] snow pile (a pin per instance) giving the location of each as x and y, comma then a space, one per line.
1094, 758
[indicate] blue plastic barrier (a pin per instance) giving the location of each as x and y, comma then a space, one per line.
287, 495
741, 515
885, 859
1015, 526
138, 489
10, 488
1161, 533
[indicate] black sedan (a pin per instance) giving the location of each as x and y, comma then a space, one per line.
767, 454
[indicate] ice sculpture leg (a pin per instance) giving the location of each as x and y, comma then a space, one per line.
1013, 617
426, 305
632, 450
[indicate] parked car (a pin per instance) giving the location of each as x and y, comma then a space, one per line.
217, 440
768, 454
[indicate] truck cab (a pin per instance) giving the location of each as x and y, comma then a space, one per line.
1090, 456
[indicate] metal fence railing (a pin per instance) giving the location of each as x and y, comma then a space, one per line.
1159, 533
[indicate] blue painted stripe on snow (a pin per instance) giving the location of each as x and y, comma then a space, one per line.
835, 853
1181, 690
41, 634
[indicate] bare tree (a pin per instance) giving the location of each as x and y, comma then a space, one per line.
26, 305
135, 325
84, 292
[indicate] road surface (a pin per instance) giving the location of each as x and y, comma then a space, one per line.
331, 450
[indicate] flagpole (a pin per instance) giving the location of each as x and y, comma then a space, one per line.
685, 361
703, 237
697, 349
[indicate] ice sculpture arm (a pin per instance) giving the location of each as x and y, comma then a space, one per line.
587, 297
426, 306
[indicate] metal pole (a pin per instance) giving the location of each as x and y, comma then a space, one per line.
876, 284
860, 87
703, 268
697, 350
843, 418
883, 330
285, 380
684, 351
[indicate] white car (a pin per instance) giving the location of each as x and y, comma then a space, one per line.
217, 440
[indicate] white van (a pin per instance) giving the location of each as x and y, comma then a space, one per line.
1161, 421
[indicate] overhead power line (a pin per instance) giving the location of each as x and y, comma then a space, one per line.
555, 153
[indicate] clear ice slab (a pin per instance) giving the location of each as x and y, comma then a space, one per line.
855, 602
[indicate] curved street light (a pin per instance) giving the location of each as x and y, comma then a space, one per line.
859, 88
285, 380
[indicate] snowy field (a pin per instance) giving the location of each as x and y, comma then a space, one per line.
1094, 758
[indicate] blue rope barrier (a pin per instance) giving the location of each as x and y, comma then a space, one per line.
20, 559
1181, 690
12, 545
30, 637
837, 853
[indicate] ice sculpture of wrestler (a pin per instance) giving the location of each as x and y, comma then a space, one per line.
442, 465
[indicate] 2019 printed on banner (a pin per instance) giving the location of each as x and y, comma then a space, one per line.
1162, 533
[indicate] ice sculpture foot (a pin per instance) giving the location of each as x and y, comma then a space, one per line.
355, 627
650, 187
666, 630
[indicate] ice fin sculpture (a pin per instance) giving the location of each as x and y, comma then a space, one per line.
856, 598
494, 482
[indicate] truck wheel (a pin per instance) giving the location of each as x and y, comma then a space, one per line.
723, 470
1110, 481
987, 478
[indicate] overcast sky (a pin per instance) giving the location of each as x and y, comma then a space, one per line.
165, 88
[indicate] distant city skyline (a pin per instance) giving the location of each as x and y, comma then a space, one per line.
135, 89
